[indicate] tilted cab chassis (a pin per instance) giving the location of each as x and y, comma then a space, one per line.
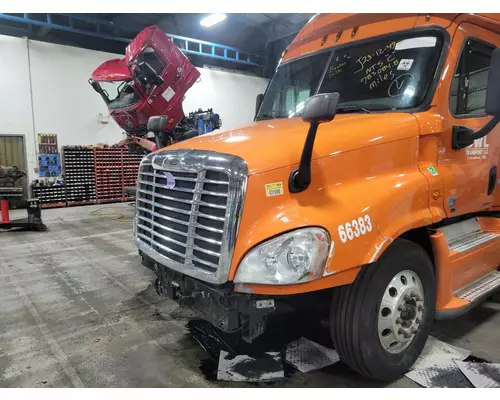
369, 174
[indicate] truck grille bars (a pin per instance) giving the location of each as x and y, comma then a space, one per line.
188, 210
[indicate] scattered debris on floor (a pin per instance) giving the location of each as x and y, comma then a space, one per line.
442, 365
437, 352
493, 370
242, 368
308, 356
303, 354
444, 374
479, 373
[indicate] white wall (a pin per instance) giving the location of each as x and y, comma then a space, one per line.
65, 104
230, 95
15, 103
63, 100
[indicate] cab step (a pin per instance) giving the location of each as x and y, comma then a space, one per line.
467, 256
480, 287
466, 235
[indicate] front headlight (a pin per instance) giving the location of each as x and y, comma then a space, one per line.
293, 257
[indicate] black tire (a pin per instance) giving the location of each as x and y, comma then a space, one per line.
355, 309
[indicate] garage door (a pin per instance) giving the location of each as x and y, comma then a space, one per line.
12, 154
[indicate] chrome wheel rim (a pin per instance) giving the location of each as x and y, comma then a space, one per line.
401, 312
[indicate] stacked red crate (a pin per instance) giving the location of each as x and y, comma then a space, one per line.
131, 163
108, 166
115, 169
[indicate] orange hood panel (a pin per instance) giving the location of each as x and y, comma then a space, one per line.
276, 143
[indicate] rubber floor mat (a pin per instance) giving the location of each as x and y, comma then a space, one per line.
478, 374
242, 368
306, 355
442, 375
437, 352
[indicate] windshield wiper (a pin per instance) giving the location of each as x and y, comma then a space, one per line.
368, 109
347, 109
272, 114
265, 116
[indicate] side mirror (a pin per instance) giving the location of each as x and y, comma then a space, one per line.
149, 73
258, 103
317, 109
157, 124
320, 108
463, 136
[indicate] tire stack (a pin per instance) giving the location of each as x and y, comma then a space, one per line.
9, 176
78, 166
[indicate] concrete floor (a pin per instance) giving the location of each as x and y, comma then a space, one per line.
77, 309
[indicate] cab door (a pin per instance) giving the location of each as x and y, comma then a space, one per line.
469, 174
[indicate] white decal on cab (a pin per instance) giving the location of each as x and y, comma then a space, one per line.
355, 228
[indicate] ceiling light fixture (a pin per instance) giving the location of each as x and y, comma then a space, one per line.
212, 19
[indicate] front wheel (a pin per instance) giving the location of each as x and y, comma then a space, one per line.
380, 323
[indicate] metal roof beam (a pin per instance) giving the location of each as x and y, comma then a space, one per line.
282, 33
108, 30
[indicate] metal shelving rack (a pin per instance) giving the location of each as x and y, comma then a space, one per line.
78, 167
108, 167
93, 176
50, 196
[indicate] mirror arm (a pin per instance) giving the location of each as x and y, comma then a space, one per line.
463, 136
300, 178
487, 128
99, 90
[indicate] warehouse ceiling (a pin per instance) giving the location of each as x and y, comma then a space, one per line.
248, 32
251, 33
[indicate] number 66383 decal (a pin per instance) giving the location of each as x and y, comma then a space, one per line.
355, 228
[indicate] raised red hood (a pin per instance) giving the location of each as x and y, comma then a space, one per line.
112, 70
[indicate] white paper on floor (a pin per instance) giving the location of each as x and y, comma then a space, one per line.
478, 374
436, 352
445, 374
307, 356
241, 368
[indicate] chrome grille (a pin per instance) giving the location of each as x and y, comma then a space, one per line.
191, 225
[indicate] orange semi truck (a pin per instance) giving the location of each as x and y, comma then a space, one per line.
367, 182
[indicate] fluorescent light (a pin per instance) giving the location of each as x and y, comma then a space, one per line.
212, 19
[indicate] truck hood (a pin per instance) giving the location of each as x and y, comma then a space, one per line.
112, 70
276, 143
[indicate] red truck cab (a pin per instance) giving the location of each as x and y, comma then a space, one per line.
150, 80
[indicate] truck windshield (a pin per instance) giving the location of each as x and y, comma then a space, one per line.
118, 94
391, 73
